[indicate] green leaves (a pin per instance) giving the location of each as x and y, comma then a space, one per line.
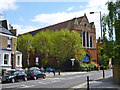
24, 44
61, 44
111, 23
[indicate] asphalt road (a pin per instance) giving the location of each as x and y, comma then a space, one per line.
62, 81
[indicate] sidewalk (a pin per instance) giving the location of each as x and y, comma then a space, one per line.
106, 83
61, 73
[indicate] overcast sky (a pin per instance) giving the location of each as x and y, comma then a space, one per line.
28, 15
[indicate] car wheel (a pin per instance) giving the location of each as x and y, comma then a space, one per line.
44, 77
34, 77
12, 80
25, 78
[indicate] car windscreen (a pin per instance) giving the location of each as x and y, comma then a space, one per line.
14, 73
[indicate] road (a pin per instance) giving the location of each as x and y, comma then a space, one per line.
62, 81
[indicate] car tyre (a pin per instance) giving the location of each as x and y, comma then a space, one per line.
25, 78
13, 80
34, 77
44, 77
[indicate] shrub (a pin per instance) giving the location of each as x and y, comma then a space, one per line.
45, 63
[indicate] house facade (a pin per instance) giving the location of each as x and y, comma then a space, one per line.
10, 58
87, 31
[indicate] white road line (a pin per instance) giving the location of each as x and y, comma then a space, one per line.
25, 86
13, 86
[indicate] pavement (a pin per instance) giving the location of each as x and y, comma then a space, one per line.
51, 74
99, 83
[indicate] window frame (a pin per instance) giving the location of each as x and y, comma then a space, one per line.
17, 60
85, 25
87, 34
5, 59
9, 43
91, 42
83, 39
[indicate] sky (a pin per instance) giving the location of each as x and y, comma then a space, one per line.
29, 15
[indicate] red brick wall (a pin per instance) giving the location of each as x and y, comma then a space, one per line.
93, 54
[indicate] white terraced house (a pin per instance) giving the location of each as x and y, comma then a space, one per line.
10, 58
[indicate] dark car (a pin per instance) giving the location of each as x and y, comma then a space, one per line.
35, 74
14, 76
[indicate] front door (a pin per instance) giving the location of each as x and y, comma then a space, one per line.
12, 61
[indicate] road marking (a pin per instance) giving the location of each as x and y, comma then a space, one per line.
69, 73
13, 86
83, 84
25, 86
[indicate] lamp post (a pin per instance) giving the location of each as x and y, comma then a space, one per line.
72, 62
100, 21
101, 38
58, 67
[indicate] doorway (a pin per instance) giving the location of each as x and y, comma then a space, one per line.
12, 61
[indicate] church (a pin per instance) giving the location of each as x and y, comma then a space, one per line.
85, 28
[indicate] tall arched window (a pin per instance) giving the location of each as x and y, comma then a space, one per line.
87, 39
83, 39
91, 41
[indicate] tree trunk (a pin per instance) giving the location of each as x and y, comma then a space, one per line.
28, 60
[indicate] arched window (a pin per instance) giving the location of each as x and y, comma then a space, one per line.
91, 41
85, 25
83, 39
87, 39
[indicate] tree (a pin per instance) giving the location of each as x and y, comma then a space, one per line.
24, 44
68, 44
42, 43
61, 44
111, 24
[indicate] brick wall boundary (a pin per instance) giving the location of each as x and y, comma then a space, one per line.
116, 74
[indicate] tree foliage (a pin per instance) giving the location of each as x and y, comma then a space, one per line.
61, 44
111, 23
24, 44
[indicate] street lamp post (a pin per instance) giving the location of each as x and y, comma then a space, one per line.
100, 21
101, 37
58, 67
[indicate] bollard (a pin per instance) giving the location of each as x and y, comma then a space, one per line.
103, 73
59, 72
87, 69
54, 73
87, 82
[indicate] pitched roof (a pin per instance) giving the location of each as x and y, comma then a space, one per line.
66, 24
5, 31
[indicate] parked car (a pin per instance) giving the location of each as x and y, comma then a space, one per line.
34, 68
14, 76
35, 74
42, 69
50, 69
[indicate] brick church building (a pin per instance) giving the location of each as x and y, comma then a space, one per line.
85, 28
